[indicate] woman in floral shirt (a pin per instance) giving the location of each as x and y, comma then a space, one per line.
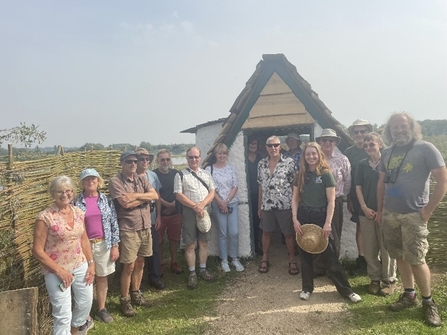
62, 247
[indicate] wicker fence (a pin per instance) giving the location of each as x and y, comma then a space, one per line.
23, 193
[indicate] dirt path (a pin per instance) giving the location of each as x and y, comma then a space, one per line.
259, 304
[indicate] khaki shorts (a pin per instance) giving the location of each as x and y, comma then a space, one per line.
190, 233
274, 218
103, 265
405, 236
135, 243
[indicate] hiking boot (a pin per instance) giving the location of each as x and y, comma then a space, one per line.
126, 307
104, 316
205, 275
374, 287
176, 268
192, 281
138, 299
159, 285
404, 301
82, 330
431, 315
388, 288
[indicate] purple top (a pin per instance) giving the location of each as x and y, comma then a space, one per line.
93, 220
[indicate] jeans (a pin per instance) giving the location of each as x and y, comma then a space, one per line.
153, 263
228, 231
63, 316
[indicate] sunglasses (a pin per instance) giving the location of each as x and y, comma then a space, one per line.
165, 159
142, 159
193, 157
273, 145
370, 144
330, 140
360, 131
131, 161
67, 192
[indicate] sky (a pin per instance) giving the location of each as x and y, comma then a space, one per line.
109, 71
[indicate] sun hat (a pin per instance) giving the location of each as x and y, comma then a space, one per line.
293, 135
360, 122
143, 152
203, 224
88, 173
312, 240
126, 154
328, 132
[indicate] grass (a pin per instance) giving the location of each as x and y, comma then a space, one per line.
372, 315
176, 310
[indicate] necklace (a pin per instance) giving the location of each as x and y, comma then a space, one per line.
64, 213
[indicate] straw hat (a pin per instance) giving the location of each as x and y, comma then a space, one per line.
328, 132
312, 240
360, 122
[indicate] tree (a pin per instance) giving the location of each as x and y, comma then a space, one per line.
26, 135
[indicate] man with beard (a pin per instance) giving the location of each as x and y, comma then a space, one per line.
404, 207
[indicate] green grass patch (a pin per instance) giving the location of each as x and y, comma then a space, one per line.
176, 309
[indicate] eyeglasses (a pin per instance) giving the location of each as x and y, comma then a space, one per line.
131, 161
142, 159
363, 131
274, 145
67, 192
330, 140
370, 144
165, 160
193, 157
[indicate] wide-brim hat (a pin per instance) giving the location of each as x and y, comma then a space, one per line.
203, 224
144, 152
312, 240
328, 132
126, 154
88, 173
360, 122
294, 136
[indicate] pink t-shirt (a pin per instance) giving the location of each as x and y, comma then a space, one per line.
93, 218
63, 243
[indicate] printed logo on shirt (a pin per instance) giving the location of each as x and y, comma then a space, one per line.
318, 179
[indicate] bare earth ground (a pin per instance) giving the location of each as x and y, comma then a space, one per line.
257, 303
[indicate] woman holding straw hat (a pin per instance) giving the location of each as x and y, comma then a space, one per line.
313, 204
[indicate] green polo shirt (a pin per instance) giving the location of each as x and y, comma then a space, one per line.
314, 188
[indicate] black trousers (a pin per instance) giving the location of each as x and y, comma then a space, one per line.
153, 263
257, 232
329, 258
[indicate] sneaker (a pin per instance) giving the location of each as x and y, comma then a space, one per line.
87, 326
176, 268
431, 315
225, 266
104, 316
388, 288
192, 281
126, 307
237, 264
374, 287
205, 275
138, 299
404, 301
304, 295
354, 297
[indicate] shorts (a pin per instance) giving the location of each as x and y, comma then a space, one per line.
135, 243
172, 225
405, 236
190, 232
101, 255
274, 218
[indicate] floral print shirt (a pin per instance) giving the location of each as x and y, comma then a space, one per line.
108, 217
63, 244
276, 187
225, 179
341, 169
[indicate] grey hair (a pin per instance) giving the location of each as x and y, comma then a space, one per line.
61, 181
163, 151
414, 126
272, 138
194, 147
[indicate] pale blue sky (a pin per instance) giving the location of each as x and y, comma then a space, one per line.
131, 71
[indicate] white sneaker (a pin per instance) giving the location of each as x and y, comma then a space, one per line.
239, 267
354, 297
304, 295
225, 266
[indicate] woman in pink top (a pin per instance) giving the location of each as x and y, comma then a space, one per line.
62, 247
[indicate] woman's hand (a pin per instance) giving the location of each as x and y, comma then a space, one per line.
90, 274
297, 226
65, 276
327, 230
114, 253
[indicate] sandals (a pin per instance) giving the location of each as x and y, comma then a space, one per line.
293, 270
264, 267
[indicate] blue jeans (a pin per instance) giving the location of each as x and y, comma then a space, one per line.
63, 316
228, 231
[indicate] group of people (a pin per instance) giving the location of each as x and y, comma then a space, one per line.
78, 238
